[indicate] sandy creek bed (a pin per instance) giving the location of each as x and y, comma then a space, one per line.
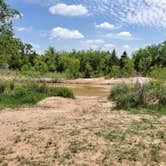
84, 131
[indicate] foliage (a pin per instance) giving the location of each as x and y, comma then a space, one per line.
126, 96
13, 95
158, 72
149, 58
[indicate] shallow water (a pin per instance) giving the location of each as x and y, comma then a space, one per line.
88, 90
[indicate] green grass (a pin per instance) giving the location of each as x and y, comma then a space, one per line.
157, 111
149, 98
13, 95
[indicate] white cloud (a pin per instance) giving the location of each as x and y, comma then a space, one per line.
20, 29
108, 47
124, 35
93, 43
109, 35
137, 12
39, 2
126, 47
106, 25
98, 44
64, 33
121, 36
23, 29
68, 10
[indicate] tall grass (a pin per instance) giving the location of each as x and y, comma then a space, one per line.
158, 72
13, 94
150, 95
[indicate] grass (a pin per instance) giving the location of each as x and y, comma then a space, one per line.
154, 153
13, 94
155, 111
33, 74
149, 98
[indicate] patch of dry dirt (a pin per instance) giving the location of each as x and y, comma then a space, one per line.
96, 81
85, 131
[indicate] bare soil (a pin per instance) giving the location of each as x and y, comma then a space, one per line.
84, 131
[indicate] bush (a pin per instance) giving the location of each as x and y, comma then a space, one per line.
13, 95
139, 95
158, 72
61, 91
2, 88
156, 92
19, 92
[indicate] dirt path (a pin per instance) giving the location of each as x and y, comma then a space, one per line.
85, 131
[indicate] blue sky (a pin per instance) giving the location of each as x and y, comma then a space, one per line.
97, 24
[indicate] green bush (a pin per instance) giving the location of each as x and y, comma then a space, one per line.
61, 91
158, 72
139, 95
29, 92
156, 92
19, 92
2, 88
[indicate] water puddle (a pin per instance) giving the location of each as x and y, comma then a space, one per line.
87, 90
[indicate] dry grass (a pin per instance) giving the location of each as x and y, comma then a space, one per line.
89, 133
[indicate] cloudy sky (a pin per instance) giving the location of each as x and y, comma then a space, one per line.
97, 24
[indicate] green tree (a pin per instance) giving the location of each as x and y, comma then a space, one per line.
7, 42
73, 68
51, 59
123, 59
88, 71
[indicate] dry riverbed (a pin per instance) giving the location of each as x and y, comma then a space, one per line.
84, 131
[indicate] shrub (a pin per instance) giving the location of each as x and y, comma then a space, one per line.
156, 92
61, 91
19, 92
139, 95
2, 88
158, 72
29, 92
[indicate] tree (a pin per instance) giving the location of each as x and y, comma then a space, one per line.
116, 72
73, 68
88, 71
143, 61
7, 41
123, 58
113, 60
50, 59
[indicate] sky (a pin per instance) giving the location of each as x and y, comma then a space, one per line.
125, 25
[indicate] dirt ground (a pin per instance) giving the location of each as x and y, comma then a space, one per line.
86, 131
91, 81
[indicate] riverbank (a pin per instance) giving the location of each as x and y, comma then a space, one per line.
94, 81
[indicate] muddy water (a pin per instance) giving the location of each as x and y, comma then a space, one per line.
88, 90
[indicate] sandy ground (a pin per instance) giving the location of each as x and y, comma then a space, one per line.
84, 131
93, 81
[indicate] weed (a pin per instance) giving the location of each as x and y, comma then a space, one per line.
154, 153
74, 132
17, 139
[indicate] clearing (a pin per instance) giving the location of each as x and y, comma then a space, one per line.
84, 131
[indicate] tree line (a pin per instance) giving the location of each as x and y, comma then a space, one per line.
19, 56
